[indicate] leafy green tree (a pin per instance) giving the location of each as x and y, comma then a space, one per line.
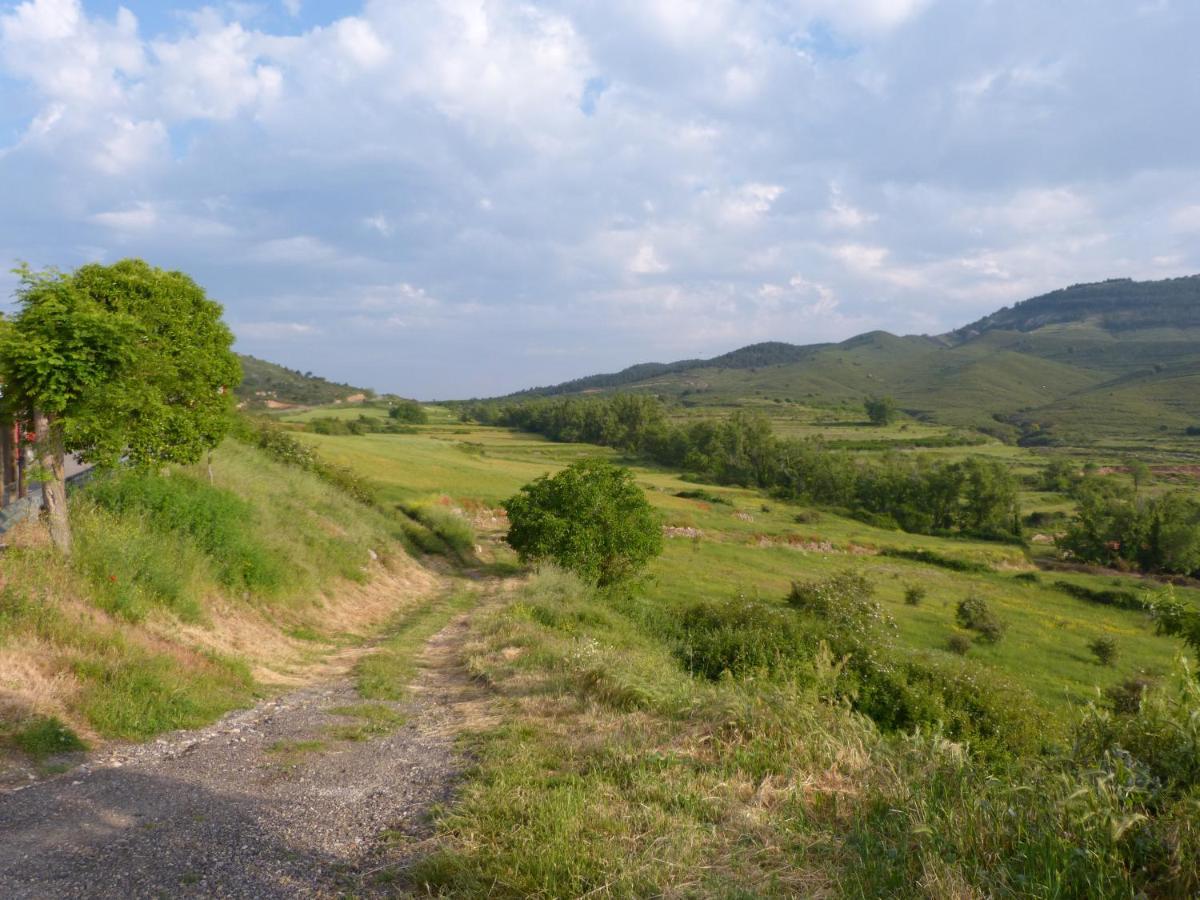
409, 411
116, 361
591, 518
1140, 472
1176, 618
881, 410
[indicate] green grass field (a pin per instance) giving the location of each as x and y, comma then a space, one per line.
754, 545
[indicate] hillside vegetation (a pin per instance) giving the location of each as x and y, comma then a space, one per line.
1114, 359
794, 702
191, 590
262, 381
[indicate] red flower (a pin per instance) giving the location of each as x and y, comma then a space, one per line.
31, 436
112, 577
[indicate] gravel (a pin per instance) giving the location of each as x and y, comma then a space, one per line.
228, 811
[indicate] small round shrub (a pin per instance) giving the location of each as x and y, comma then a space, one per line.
1126, 698
914, 594
1105, 650
958, 643
739, 636
975, 614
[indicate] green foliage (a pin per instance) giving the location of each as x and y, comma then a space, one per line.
881, 410
1105, 650
1125, 697
974, 496
1060, 475
283, 447
591, 519
44, 736
975, 614
933, 558
220, 523
1176, 618
132, 361
914, 594
703, 495
1162, 736
844, 603
449, 525
958, 643
1115, 526
61, 346
1120, 599
409, 411
137, 695
740, 637
265, 380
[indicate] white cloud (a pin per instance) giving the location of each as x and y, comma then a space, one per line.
273, 331
359, 42
919, 163
646, 262
379, 223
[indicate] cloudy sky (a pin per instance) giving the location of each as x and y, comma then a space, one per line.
463, 197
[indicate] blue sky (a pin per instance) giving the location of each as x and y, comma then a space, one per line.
464, 197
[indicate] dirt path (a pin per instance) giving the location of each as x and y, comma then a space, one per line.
307, 795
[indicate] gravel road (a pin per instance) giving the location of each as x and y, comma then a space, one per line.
273, 801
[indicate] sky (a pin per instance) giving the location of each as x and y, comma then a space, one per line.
451, 198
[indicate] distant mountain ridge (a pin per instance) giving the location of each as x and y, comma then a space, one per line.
1119, 304
1112, 356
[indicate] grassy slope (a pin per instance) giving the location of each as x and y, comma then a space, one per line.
1046, 649
151, 628
287, 385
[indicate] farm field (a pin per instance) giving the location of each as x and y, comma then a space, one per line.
739, 542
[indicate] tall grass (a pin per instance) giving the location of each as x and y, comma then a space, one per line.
619, 774
217, 521
154, 549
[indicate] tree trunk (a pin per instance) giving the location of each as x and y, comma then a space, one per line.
8, 450
54, 490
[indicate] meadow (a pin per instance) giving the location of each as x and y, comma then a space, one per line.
617, 767
725, 542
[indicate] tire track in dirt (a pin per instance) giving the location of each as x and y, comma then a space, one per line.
272, 801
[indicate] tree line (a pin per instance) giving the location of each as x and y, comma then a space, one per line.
1118, 525
973, 496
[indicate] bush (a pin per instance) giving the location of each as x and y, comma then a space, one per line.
1126, 698
739, 636
409, 411
975, 614
851, 619
591, 519
914, 594
1105, 650
1163, 734
958, 643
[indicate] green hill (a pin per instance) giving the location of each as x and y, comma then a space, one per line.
263, 381
1118, 357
